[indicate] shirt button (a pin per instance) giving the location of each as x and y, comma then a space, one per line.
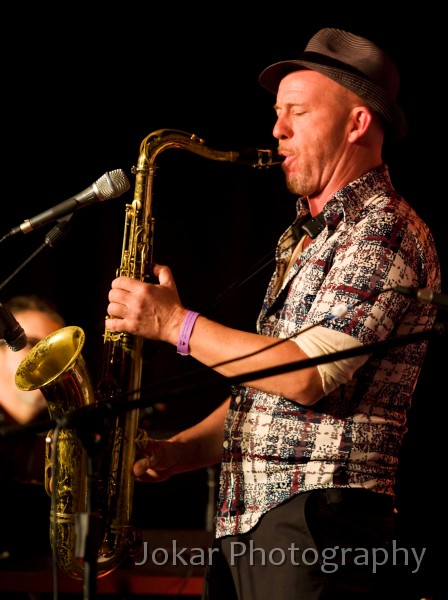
225, 444
237, 399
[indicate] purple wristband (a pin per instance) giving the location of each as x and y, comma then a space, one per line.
185, 332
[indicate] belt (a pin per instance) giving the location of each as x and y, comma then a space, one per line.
356, 497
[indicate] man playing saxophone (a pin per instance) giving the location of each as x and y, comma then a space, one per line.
309, 456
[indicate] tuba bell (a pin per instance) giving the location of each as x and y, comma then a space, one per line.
56, 367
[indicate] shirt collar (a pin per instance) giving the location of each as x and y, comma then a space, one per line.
348, 201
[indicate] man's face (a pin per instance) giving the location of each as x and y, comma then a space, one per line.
37, 325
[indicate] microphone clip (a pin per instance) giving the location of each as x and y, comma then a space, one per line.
10, 330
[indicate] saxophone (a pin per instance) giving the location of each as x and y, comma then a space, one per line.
56, 366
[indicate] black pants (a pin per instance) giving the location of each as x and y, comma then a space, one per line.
325, 544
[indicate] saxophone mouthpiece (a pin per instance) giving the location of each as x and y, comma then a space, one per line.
258, 158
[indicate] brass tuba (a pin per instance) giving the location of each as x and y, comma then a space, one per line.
56, 366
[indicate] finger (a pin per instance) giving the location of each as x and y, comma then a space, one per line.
164, 274
126, 284
141, 466
143, 471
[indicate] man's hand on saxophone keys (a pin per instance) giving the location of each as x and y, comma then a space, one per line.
153, 311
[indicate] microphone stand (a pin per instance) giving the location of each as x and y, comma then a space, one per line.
93, 437
79, 417
51, 239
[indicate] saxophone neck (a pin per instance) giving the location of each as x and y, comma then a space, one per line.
163, 139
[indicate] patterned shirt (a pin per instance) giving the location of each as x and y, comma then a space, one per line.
275, 448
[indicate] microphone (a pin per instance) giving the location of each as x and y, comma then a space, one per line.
426, 296
111, 185
10, 330
258, 158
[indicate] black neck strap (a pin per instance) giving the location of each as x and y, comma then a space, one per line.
314, 226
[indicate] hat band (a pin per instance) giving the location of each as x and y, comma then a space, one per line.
328, 61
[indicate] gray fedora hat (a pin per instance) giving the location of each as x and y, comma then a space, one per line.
354, 62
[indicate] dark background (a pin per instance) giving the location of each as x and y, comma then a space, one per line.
83, 88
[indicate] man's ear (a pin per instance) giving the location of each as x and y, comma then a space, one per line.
361, 118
